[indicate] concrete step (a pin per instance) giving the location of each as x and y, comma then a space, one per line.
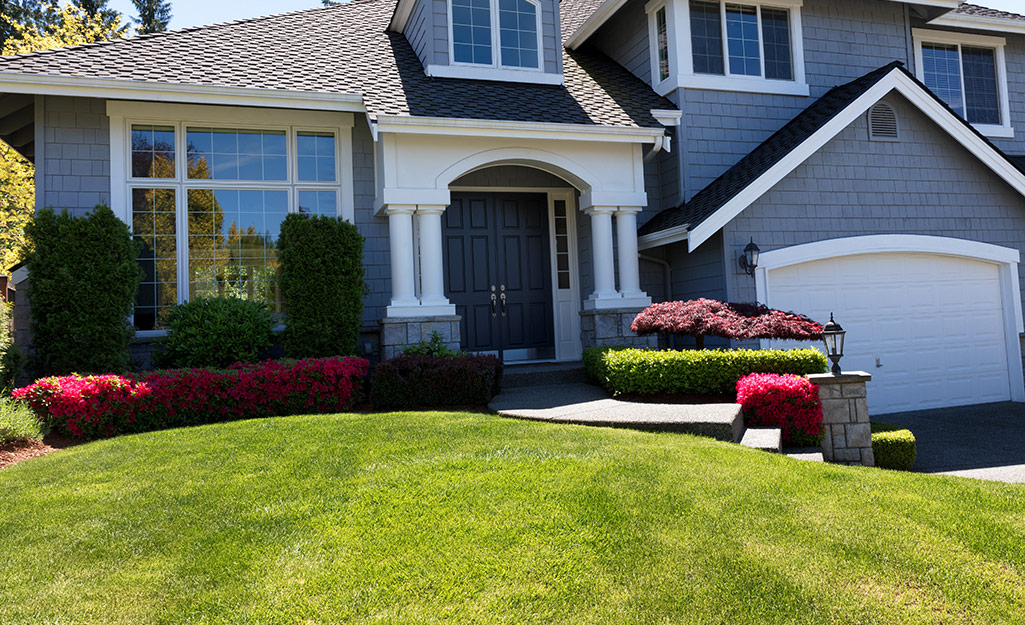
539, 374
766, 439
811, 454
586, 404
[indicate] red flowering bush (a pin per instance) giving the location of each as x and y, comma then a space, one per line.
709, 317
100, 406
789, 402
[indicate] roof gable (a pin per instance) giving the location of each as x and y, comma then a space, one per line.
730, 194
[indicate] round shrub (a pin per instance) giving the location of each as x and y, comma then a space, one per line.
893, 447
215, 332
789, 402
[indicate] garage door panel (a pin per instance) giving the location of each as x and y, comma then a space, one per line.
933, 323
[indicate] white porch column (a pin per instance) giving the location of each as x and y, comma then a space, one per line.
629, 266
432, 263
400, 241
605, 294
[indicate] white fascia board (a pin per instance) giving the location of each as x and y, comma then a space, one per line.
896, 80
119, 89
943, 4
495, 74
404, 124
980, 22
593, 23
662, 237
403, 10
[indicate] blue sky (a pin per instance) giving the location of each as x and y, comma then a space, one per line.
197, 12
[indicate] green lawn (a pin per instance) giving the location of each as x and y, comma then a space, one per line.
467, 518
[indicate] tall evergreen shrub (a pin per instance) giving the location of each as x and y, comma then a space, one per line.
83, 276
321, 277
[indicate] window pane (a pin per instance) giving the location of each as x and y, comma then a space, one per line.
471, 31
776, 42
153, 224
942, 73
742, 40
661, 33
980, 85
316, 156
232, 237
152, 151
706, 37
318, 203
233, 154
517, 30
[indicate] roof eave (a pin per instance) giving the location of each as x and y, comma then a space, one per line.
461, 126
980, 22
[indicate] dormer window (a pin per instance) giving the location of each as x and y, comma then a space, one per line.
512, 27
727, 46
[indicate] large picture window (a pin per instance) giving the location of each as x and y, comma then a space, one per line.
479, 28
968, 73
207, 204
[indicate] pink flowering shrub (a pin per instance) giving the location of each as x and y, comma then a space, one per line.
789, 402
709, 317
102, 406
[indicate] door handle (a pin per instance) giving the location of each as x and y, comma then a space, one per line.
504, 305
494, 305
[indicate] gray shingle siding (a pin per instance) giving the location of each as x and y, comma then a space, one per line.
925, 184
76, 153
420, 30
625, 39
376, 255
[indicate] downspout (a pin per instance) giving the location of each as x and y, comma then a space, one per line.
662, 142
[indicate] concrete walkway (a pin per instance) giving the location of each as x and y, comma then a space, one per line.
985, 441
585, 404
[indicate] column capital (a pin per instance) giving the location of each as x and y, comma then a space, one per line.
628, 210
600, 210
430, 209
398, 209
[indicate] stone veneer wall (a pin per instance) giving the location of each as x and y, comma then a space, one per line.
400, 332
612, 327
846, 433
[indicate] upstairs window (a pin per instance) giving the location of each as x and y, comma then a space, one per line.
662, 36
512, 27
729, 39
968, 73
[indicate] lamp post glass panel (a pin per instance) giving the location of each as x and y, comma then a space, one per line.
833, 336
749, 261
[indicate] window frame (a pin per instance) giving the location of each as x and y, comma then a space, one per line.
681, 73
123, 115
496, 48
920, 36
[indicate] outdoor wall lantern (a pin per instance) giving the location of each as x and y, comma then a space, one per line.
749, 261
832, 336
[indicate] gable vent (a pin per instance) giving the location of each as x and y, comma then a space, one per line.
882, 123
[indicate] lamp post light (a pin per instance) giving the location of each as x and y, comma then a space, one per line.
832, 336
749, 261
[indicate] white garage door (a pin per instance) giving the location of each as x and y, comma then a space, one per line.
929, 328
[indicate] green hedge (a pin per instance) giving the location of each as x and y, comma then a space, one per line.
321, 277
893, 447
83, 276
215, 332
692, 372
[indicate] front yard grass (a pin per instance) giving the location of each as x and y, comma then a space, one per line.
471, 518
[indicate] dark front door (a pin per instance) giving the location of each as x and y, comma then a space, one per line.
497, 273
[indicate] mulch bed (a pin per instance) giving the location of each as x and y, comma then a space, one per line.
16, 451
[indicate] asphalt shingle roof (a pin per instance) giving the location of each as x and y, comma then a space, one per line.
347, 49
981, 11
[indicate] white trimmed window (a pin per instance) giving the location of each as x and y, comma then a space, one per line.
496, 33
206, 198
729, 46
969, 73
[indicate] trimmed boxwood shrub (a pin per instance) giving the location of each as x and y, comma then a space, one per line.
692, 372
408, 382
215, 332
83, 276
893, 447
321, 277
107, 405
789, 402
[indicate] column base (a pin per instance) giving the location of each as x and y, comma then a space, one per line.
398, 311
638, 299
603, 301
398, 333
611, 326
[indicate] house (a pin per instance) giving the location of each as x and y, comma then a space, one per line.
529, 174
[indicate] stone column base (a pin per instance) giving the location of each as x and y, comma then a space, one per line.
846, 434
398, 333
599, 328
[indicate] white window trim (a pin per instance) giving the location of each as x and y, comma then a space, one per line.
1003, 130
496, 48
181, 116
652, 9
681, 60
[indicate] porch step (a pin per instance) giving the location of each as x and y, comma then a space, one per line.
811, 454
586, 404
539, 374
766, 439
